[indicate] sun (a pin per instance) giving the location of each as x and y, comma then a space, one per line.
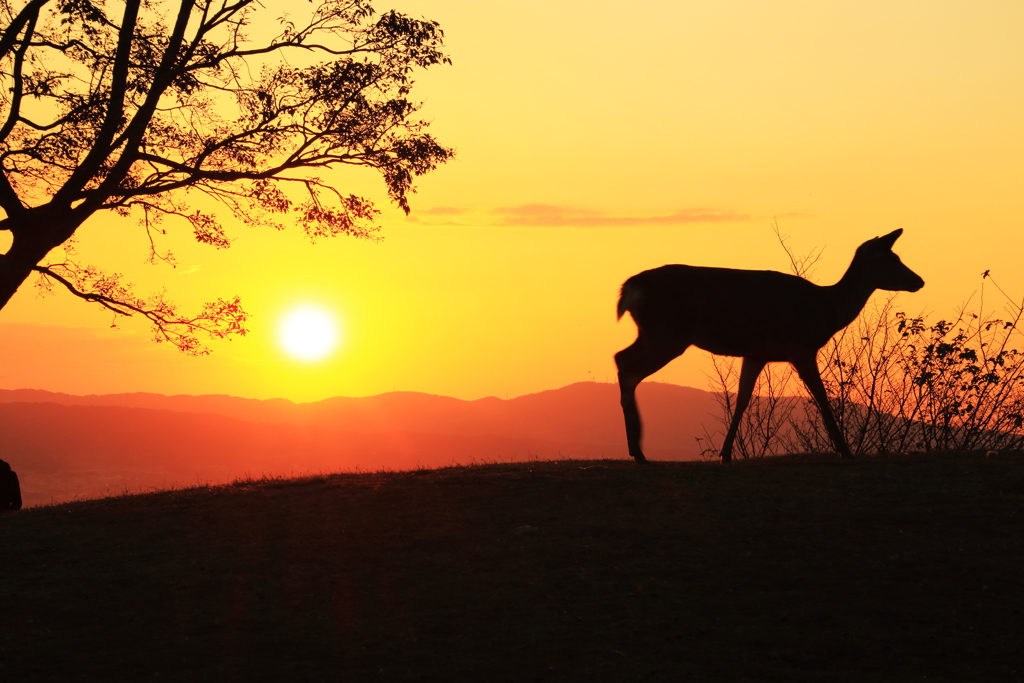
308, 333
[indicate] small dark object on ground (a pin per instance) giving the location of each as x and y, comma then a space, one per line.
10, 489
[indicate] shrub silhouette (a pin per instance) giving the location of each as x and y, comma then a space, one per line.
895, 383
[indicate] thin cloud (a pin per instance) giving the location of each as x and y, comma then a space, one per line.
553, 216
541, 211
546, 215
444, 211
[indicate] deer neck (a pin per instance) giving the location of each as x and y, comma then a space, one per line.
849, 296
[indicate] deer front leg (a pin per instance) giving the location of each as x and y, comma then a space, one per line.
752, 367
807, 368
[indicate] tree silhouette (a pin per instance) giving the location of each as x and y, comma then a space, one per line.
136, 106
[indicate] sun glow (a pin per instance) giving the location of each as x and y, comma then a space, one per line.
308, 333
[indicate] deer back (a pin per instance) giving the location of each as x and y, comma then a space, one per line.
732, 312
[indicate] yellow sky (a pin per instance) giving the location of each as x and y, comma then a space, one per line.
596, 140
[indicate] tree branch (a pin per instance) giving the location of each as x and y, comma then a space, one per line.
118, 307
115, 108
218, 319
9, 200
10, 36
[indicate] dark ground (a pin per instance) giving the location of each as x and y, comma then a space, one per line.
897, 568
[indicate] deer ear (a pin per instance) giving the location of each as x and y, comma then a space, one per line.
888, 240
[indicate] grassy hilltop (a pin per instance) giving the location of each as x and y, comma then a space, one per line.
893, 568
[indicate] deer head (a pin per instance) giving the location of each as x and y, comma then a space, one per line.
886, 271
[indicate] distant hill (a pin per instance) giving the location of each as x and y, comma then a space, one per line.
66, 446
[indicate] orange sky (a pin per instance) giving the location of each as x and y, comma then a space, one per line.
595, 141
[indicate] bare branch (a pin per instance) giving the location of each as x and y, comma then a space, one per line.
802, 266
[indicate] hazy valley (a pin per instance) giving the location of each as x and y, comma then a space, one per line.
65, 447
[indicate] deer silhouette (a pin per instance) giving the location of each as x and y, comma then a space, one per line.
760, 315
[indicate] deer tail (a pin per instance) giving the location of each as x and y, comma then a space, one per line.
629, 297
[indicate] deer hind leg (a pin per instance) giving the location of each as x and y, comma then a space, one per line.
807, 368
752, 367
639, 360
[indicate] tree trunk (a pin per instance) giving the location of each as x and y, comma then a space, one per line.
33, 240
